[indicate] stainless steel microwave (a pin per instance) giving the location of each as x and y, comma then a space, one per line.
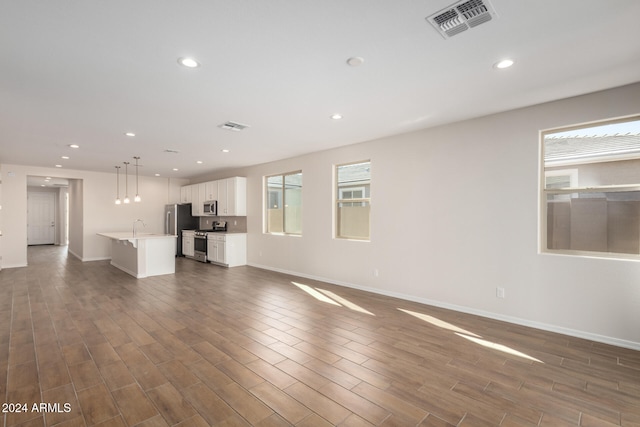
210, 207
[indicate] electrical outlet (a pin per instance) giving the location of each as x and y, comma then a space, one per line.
376, 273
500, 292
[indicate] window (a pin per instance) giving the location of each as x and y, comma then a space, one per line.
284, 203
353, 200
563, 178
591, 189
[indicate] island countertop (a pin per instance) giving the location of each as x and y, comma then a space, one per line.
125, 235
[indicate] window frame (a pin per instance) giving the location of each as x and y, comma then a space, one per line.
574, 190
283, 200
337, 192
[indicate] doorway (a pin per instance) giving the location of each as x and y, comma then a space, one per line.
47, 211
41, 218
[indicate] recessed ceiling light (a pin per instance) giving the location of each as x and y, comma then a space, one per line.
74, 146
157, 174
505, 63
58, 166
175, 169
65, 157
130, 134
355, 61
225, 150
336, 116
199, 162
188, 62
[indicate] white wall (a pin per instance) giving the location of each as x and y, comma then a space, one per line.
76, 218
454, 215
14, 218
92, 210
62, 215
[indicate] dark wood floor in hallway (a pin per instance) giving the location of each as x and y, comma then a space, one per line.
244, 346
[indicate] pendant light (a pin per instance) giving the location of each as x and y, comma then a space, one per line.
137, 198
118, 185
126, 181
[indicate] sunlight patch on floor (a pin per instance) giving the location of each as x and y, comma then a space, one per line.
317, 295
345, 302
475, 338
331, 298
499, 347
439, 323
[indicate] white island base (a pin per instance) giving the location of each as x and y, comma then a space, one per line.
143, 255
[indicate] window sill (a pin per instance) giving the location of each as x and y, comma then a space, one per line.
351, 239
592, 255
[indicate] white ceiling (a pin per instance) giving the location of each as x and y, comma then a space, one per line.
87, 71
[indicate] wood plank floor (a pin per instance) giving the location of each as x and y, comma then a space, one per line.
243, 346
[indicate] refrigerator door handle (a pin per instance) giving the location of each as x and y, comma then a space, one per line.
167, 227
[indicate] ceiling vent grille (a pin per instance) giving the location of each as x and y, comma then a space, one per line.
461, 16
233, 126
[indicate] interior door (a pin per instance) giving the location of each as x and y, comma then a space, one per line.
41, 218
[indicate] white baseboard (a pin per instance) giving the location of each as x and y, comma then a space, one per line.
96, 259
87, 259
12, 266
462, 309
126, 270
74, 254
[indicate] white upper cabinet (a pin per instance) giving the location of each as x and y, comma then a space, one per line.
197, 199
211, 190
222, 197
231, 194
185, 194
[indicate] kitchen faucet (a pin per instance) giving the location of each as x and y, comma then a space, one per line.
134, 225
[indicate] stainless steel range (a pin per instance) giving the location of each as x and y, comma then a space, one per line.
200, 245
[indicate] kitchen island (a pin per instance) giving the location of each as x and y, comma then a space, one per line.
143, 254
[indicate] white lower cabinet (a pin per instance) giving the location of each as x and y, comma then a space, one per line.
216, 249
187, 243
227, 249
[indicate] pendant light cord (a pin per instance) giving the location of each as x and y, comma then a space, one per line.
126, 182
117, 185
137, 198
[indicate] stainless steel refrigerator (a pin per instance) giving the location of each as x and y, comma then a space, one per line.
178, 218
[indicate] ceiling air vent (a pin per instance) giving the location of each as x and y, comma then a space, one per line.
461, 16
236, 127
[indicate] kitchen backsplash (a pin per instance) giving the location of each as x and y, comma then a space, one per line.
235, 224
